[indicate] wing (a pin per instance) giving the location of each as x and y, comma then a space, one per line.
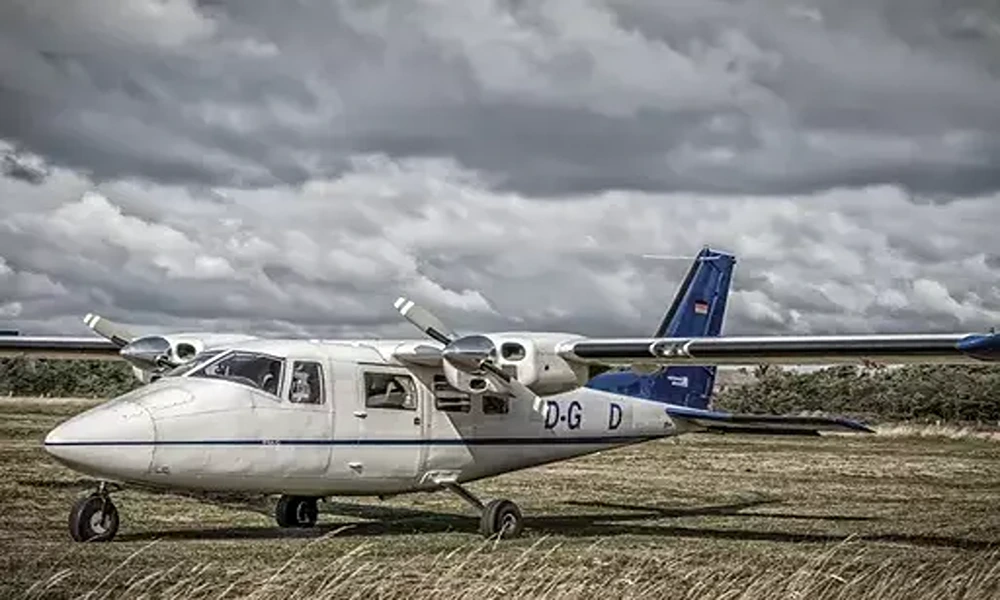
949, 348
59, 347
113, 338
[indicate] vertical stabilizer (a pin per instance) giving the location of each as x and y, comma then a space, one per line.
697, 310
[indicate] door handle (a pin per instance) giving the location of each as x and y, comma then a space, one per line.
416, 420
360, 414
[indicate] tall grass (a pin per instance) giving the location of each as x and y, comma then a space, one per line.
544, 570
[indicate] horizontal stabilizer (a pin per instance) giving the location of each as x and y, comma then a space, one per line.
709, 420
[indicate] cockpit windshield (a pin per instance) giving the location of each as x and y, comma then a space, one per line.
193, 364
249, 368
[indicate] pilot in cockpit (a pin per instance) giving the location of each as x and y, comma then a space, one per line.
301, 391
269, 377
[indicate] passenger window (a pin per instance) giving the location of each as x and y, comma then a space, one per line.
449, 399
307, 383
495, 405
388, 390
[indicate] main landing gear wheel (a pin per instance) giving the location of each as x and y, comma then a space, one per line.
93, 518
501, 518
296, 511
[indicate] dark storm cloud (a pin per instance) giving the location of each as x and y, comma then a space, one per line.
25, 168
329, 258
292, 167
550, 98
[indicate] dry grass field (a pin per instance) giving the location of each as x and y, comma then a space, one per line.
887, 516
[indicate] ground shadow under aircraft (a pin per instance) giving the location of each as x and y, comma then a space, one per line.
395, 520
387, 521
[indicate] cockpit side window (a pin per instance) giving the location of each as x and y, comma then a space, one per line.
248, 368
307, 383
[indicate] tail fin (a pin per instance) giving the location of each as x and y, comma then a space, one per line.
697, 310
700, 304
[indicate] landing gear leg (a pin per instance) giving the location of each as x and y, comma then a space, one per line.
94, 518
296, 511
498, 518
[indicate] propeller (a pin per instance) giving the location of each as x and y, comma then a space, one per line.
118, 335
148, 353
471, 353
425, 320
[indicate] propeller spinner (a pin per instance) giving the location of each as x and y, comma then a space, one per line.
147, 353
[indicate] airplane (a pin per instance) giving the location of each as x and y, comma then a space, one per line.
312, 419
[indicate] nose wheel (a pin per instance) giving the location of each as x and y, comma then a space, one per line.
500, 518
94, 518
296, 511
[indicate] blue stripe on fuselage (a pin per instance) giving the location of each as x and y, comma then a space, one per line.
523, 441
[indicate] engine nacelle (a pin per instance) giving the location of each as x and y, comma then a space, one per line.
469, 383
185, 346
533, 360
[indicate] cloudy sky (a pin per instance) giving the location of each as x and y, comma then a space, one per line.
291, 167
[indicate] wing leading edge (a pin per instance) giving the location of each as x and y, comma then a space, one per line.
92, 348
949, 348
113, 338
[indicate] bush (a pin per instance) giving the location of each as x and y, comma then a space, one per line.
922, 393
65, 378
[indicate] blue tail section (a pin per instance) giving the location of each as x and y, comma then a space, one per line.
697, 310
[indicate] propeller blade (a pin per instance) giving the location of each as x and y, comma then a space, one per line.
517, 389
118, 335
424, 320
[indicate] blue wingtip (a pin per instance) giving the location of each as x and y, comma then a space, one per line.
984, 347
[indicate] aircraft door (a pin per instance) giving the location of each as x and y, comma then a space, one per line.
308, 415
391, 425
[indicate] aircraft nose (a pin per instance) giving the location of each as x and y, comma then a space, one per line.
113, 440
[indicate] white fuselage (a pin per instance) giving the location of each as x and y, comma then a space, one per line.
220, 435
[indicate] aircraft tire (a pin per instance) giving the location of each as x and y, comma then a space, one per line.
501, 517
93, 519
296, 511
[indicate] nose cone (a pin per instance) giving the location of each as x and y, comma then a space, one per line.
113, 440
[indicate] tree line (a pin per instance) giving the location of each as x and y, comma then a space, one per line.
65, 378
917, 393
967, 394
